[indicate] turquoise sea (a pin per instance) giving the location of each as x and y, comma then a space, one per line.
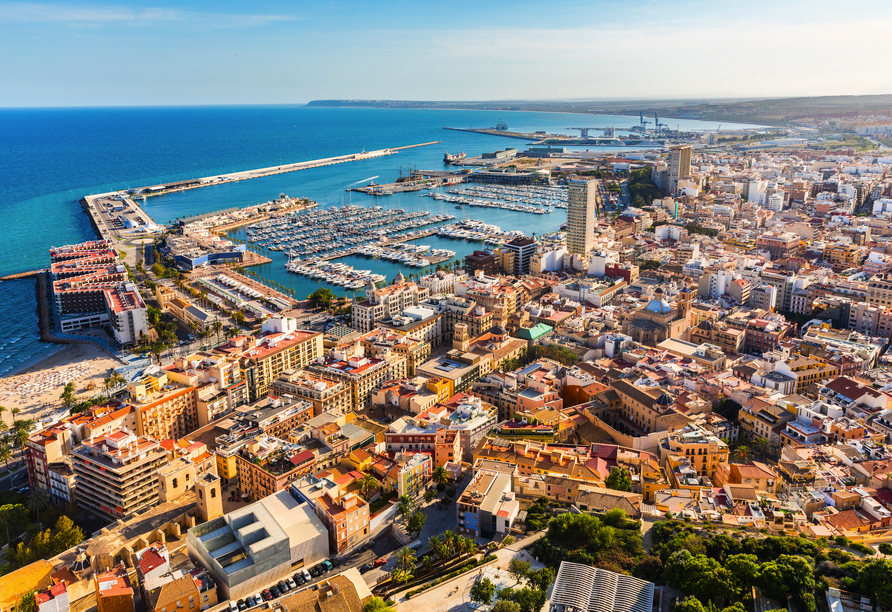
52, 157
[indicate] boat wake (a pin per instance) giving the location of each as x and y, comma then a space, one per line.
371, 178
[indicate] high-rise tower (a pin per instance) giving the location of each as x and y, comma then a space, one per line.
581, 215
679, 165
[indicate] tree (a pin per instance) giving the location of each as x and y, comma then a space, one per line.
449, 540
789, 575
436, 544
619, 479
530, 600
483, 591
38, 501
440, 475
885, 547
376, 604
66, 535
400, 576
5, 456
464, 546
405, 505
27, 603
875, 579
689, 604
541, 579
503, 605
405, 558
416, 523
68, 395
367, 484
321, 298
519, 569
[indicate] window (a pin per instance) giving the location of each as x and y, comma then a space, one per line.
174, 483
213, 493
200, 494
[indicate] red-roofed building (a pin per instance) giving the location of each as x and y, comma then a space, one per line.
113, 590
54, 599
346, 517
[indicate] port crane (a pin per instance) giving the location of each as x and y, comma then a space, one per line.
659, 126
643, 122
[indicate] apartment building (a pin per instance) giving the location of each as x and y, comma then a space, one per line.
456, 310
164, 408
386, 302
760, 419
844, 255
218, 382
486, 508
647, 411
116, 474
780, 245
277, 416
581, 215
267, 465
679, 165
360, 375
323, 394
701, 447
879, 290
277, 352
49, 466
347, 519
411, 475
806, 372
386, 341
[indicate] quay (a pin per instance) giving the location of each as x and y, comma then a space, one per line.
543, 138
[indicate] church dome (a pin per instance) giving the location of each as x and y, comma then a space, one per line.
498, 330
705, 325
659, 306
399, 277
665, 400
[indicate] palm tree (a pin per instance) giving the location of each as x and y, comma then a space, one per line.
21, 432
465, 546
405, 506
218, 326
400, 576
5, 456
405, 559
118, 379
107, 384
38, 501
740, 452
440, 475
436, 544
2, 410
449, 540
367, 484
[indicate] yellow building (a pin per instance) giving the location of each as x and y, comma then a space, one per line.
806, 371
704, 450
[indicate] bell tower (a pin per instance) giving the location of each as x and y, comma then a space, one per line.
209, 496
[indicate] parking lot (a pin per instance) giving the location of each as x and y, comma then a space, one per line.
382, 547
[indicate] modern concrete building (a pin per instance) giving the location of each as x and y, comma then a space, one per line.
523, 249
253, 546
116, 474
581, 215
679, 165
583, 588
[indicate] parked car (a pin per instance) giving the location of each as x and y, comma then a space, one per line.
299, 578
241, 604
275, 591
314, 572
306, 575
258, 599
366, 567
380, 561
232, 606
291, 584
267, 595
334, 562
282, 586
326, 566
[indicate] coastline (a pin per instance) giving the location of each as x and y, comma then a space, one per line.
35, 363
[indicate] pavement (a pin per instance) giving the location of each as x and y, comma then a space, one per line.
454, 595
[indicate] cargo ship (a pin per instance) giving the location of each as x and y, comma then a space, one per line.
451, 159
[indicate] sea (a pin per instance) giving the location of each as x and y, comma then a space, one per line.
52, 157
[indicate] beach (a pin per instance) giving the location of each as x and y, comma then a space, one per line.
37, 388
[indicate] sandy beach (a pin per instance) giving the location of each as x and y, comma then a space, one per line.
38, 387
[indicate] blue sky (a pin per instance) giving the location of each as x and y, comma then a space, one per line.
224, 52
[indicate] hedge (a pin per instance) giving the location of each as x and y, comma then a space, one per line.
461, 570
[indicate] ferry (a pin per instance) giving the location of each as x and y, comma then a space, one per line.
451, 159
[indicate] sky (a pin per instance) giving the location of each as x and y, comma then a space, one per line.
111, 53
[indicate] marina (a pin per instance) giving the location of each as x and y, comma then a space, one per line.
537, 200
